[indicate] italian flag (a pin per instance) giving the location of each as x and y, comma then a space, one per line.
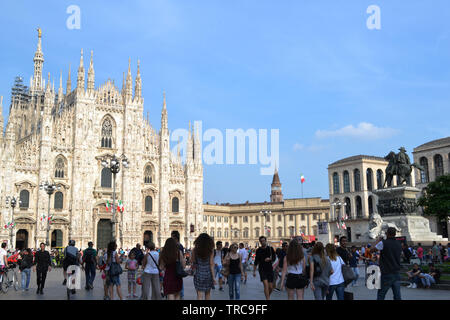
108, 205
120, 206
302, 177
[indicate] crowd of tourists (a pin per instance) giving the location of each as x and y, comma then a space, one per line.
294, 267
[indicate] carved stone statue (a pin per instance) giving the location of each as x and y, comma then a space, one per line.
399, 165
377, 227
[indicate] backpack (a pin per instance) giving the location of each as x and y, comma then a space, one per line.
88, 256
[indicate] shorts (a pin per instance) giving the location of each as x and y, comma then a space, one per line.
266, 275
217, 270
296, 281
67, 263
244, 266
112, 280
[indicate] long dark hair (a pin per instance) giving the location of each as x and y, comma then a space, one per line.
295, 253
204, 246
169, 253
112, 246
320, 251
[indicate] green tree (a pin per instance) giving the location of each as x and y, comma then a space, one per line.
436, 198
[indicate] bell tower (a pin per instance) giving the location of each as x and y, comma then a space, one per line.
276, 195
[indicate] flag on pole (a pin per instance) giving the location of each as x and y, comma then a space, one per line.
108, 205
120, 206
302, 178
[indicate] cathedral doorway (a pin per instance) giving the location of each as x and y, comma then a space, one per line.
104, 233
22, 239
57, 239
148, 236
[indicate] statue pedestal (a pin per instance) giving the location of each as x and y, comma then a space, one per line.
397, 205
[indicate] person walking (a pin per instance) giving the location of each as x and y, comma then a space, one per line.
436, 253
243, 252
343, 251
390, 252
279, 268
336, 279
203, 262
319, 283
42, 264
131, 266
219, 254
420, 253
294, 266
25, 264
170, 255
353, 263
112, 279
233, 262
176, 236
150, 276
89, 264
265, 256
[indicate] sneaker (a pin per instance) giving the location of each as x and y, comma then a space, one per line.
41, 291
129, 296
409, 286
135, 296
414, 286
38, 291
245, 281
64, 282
91, 286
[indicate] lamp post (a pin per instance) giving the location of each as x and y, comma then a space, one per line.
265, 213
50, 188
339, 204
13, 202
114, 166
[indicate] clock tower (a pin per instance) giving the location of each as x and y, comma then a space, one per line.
276, 194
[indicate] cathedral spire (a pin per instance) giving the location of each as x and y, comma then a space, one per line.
189, 146
38, 64
91, 75
164, 125
69, 83
60, 89
80, 76
138, 84
129, 85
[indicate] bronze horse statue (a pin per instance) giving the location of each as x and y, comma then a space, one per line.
400, 166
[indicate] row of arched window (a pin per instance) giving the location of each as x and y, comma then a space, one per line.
106, 177
148, 204
438, 167
358, 213
357, 181
246, 233
24, 197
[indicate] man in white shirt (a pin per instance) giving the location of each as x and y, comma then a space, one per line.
243, 252
3, 255
218, 258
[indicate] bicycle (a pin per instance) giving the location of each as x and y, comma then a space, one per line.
9, 278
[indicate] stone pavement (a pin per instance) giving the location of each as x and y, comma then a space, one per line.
253, 290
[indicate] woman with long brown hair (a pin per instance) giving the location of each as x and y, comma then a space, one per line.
336, 279
170, 254
294, 266
319, 280
203, 266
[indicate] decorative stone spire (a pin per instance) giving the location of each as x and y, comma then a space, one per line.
38, 64
47, 89
197, 146
69, 83
81, 73
164, 125
1, 117
129, 85
189, 147
60, 89
138, 84
91, 75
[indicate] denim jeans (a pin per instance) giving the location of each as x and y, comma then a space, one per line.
339, 288
234, 283
427, 280
390, 280
356, 271
26, 275
90, 274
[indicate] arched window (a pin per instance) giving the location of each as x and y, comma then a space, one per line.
335, 183
225, 233
245, 232
212, 232
438, 165
359, 207
59, 167
175, 204
219, 233
369, 178
380, 179
257, 232
106, 181
59, 200
357, 178
148, 174
107, 133
424, 175
346, 181
24, 199
370, 204
280, 231
348, 207
148, 204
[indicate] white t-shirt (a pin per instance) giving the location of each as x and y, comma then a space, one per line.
296, 268
336, 277
151, 267
3, 254
218, 257
244, 255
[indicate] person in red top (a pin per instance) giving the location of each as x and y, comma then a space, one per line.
420, 253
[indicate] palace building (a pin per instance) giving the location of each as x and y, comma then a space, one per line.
63, 137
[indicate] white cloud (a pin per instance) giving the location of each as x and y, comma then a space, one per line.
298, 146
363, 130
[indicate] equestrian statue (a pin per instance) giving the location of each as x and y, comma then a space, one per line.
399, 165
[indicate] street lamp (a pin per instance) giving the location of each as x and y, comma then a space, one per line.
114, 166
339, 204
50, 188
265, 213
11, 226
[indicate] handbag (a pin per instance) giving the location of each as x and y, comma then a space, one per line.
348, 274
317, 268
225, 270
114, 268
179, 271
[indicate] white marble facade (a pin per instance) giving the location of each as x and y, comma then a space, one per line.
52, 135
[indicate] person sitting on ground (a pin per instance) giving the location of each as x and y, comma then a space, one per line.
414, 276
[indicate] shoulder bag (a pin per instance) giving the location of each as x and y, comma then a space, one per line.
179, 271
348, 274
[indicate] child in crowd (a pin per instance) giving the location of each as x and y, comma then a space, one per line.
131, 266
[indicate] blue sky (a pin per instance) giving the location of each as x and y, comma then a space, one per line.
311, 69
